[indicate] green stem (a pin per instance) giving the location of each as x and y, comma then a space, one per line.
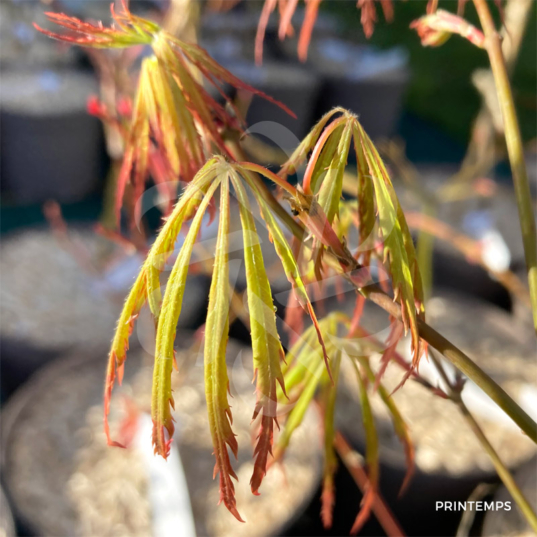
461, 361
515, 149
501, 469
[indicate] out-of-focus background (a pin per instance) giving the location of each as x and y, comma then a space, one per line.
63, 283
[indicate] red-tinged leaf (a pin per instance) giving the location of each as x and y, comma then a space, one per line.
122, 181
312, 9
308, 143
368, 16
436, 28
314, 218
387, 9
266, 346
216, 378
162, 397
294, 318
268, 8
212, 69
132, 31
120, 344
396, 333
286, 14
358, 311
309, 184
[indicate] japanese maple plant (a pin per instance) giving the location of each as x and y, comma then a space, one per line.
175, 130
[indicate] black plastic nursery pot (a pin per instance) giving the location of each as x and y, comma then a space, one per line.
60, 293
64, 480
449, 460
292, 85
51, 148
369, 82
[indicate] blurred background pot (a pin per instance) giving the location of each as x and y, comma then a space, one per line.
449, 460
365, 80
290, 84
50, 146
64, 480
21, 45
60, 292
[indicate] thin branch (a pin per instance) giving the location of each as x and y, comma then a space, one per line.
351, 459
502, 471
515, 148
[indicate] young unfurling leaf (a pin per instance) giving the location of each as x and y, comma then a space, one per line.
267, 349
174, 115
375, 193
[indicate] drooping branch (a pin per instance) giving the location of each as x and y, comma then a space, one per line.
456, 356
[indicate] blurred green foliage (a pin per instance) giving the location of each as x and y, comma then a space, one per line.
441, 90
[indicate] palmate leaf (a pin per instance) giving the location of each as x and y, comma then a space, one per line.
174, 116
162, 398
320, 202
147, 284
267, 349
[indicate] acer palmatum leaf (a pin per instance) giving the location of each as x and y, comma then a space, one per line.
216, 378
162, 399
173, 115
266, 346
329, 146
